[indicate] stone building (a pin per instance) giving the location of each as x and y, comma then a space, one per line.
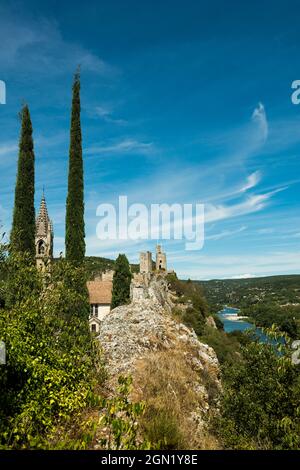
161, 259
43, 236
146, 262
100, 293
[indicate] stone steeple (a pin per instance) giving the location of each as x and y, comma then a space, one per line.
43, 236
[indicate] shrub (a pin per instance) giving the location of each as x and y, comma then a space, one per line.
52, 362
261, 401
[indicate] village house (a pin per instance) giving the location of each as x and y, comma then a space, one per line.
100, 293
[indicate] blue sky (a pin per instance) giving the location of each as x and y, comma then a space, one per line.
182, 102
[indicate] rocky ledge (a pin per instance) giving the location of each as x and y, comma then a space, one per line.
132, 334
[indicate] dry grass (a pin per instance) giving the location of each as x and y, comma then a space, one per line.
166, 382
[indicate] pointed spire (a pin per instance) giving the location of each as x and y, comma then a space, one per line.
43, 223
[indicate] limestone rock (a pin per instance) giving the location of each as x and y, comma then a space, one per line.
145, 328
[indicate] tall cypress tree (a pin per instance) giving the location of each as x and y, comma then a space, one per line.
75, 243
22, 237
121, 282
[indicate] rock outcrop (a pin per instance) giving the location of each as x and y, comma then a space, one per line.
145, 330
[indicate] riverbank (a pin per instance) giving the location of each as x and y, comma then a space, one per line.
234, 317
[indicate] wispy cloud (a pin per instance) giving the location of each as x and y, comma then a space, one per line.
251, 204
106, 113
252, 181
259, 117
225, 233
37, 45
6, 150
121, 147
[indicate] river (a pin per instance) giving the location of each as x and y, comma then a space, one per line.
227, 316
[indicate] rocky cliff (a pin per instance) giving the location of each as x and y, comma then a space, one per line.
169, 365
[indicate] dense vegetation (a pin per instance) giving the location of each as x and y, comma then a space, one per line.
192, 308
287, 317
94, 266
260, 407
52, 362
244, 292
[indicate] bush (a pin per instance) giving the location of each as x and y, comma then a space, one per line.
52, 362
261, 401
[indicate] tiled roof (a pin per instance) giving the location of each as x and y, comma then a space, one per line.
99, 292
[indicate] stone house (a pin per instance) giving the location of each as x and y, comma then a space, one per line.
100, 293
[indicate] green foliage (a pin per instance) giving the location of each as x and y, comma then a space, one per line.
121, 282
163, 429
52, 361
261, 401
218, 322
287, 318
121, 418
227, 347
21, 279
23, 227
95, 266
245, 292
75, 232
190, 294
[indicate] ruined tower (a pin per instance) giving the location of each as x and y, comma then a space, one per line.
161, 259
43, 236
146, 262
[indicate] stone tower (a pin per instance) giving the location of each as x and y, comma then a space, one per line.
161, 259
146, 262
43, 236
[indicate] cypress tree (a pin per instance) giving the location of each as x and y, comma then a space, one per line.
22, 237
75, 243
121, 282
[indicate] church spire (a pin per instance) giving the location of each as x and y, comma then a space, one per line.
44, 234
43, 222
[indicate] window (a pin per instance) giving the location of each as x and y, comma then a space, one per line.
41, 247
94, 309
93, 327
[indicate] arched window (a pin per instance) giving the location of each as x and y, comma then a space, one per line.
41, 247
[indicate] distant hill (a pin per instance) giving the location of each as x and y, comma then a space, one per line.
281, 289
95, 265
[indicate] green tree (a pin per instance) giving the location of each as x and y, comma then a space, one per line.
23, 227
75, 233
261, 402
121, 282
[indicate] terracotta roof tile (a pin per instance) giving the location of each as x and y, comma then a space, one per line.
100, 292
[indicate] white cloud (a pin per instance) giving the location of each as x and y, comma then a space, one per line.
243, 276
252, 204
259, 116
252, 181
